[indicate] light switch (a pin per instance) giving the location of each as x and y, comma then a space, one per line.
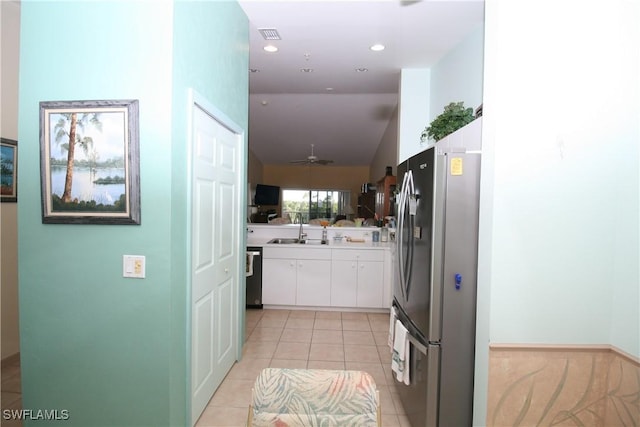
133, 266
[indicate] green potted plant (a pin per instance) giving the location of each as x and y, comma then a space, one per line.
453, 118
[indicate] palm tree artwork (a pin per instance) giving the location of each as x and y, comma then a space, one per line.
90, 167
75, 136
81, 180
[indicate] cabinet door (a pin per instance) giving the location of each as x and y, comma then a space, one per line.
370, 284
314, 282
344, 282
278, 281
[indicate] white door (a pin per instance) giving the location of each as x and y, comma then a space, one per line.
215, 257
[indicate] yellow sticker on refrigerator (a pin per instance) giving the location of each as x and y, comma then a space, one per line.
456, 166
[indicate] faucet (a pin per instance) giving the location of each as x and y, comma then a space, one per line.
301, 235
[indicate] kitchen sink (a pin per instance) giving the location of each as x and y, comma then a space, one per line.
285, 241
314, 242
291, 240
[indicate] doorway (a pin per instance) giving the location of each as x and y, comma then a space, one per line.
216, 172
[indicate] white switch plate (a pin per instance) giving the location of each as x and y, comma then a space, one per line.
133, 266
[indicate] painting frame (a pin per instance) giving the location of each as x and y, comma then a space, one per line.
8, 170
106, 142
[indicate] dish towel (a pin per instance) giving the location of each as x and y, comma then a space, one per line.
392, 327
400, 357
249, 265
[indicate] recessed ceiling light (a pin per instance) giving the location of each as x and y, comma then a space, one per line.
329, 89
270, 48
306, 70
362, 70
377, 47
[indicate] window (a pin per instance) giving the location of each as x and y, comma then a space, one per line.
314, 204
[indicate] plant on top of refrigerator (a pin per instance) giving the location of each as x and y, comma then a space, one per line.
453, 118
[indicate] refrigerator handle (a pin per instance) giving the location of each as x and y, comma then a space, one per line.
409, 200
399, 234
417, 344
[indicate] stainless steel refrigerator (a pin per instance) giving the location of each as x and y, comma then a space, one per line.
435, 281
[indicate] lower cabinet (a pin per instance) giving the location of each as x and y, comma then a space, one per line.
296, 276
324, 277
357, 278
278, 281
313, 282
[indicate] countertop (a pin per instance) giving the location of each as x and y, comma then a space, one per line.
261, 234
257, 241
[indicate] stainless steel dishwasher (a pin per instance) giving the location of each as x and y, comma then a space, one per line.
254, 277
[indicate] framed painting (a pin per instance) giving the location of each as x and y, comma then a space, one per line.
8, 170
89, 161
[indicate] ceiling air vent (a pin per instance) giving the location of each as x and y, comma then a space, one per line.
269, 33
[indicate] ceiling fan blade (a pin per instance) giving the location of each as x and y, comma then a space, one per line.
312, 160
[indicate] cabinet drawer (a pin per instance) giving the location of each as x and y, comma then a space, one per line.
301, 252
357, 254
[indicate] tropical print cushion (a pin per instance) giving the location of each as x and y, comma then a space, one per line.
314, 398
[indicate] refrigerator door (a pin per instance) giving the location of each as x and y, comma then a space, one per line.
404, 248
419, 246
460, 288
420, 399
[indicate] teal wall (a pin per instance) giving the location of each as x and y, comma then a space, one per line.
458, 76
114, 351
211, 57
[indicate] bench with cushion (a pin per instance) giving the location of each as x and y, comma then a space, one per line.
314, 397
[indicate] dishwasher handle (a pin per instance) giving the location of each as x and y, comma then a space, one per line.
249, 264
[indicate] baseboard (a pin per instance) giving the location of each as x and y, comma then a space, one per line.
567, 348
10, 359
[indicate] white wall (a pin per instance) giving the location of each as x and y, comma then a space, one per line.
413, 112
458, 75
563, 115
387, 152
559, 214
424, 93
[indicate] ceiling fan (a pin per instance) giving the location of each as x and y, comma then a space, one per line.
312, 160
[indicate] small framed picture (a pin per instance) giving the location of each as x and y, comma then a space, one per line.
89, 161
8, 170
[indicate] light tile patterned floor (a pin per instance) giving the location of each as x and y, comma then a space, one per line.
284, 339
11, 389
311, 340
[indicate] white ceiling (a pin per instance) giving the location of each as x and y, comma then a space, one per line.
289, 109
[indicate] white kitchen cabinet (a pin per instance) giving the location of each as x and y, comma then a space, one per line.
296, 276
313, 281
357, 278
344, 283
370, 284
279, 281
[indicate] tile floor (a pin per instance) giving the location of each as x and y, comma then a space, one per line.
307, 339
11, 389
283, 339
